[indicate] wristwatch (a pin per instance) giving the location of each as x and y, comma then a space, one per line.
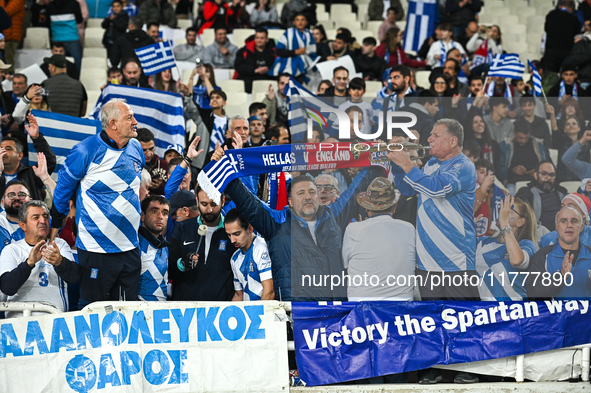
506, 230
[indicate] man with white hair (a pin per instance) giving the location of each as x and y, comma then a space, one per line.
583, 205
105, 171
568, 257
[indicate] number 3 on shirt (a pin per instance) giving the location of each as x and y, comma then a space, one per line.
43, 279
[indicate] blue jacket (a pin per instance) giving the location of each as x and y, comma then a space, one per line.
549, 259
297, 261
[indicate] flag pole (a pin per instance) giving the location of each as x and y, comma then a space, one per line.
484, 86
544, 95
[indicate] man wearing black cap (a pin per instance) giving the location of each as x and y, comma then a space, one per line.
66, 95
183, 205
199, 255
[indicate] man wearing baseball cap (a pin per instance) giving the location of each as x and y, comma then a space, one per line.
65, 95
581, 203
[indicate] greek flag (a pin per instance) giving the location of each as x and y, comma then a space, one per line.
62, 132
536, 78
304, 105
423, 15
507, 66
159, 111
156, 58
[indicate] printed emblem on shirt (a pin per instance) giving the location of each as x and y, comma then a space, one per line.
94, 273
222, 246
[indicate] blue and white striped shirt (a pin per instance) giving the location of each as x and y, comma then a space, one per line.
154, 273
251, 269
292, 40
497, 273
107, 183
446, 234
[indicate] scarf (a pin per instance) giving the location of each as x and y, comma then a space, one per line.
216, 176
443, 51
491, 91
562, 91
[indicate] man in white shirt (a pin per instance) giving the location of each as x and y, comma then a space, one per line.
380, 265
35, 269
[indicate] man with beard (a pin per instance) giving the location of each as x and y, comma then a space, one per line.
16, 194
199, 255
520, 155
543, 195
133, 74
399, 84
451, 70
154, 249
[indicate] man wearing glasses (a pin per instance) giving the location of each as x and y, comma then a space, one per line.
16, 194
328, 189
543, 195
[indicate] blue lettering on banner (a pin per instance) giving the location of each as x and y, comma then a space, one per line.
81, 374
372, 333
82, 332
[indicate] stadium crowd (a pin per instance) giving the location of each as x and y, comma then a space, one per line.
482, 215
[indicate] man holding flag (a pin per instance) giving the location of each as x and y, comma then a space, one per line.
104, 171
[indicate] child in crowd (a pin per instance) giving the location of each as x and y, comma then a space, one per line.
356, 92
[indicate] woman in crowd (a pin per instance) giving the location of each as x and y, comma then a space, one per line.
265, 13
492, 34
164, 81
33, 99
562, 140
502, 261
475, 128
391, 50
205, 85
323, 86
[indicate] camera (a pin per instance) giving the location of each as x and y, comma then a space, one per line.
43, 92
198, 63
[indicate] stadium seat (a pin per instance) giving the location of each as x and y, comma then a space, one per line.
239, 36
361, 34
331, 33
231, 86
401, 25
571, 186
275, 33
93, 37
326, 23
372, 88
233, 110
95, 52
93, 96
262, 86
223, 74
37, 38
373, 26
237, 98
343, 19
99, 73
184, 23
279, 7
422, 78
207, 37
322, 15
92, 82
554, 155
487, 19
340, 10
517, 28
259, 97
94, 62
521, 184
94, 22
535, 23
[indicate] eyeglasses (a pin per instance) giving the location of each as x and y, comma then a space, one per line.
439, 83
20, 195
326, 187
546, 174
516, 212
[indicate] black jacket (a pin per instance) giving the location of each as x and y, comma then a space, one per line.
211, 279
372, 67
125, 45
26, 174
114, 28
249, 59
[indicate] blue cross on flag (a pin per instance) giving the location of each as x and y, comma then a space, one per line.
156, 58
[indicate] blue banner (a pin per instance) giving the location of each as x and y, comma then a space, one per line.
348, 341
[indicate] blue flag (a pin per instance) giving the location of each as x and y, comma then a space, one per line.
507, 66
537, 79
156, 58
423, 16
62, 132
160, 112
